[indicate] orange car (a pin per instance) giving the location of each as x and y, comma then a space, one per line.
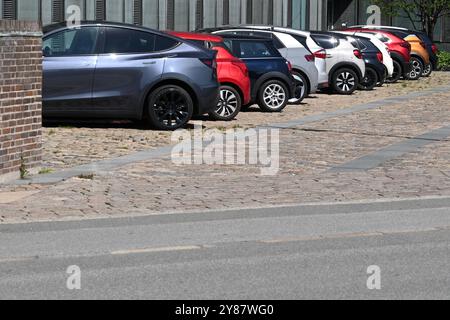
419, 56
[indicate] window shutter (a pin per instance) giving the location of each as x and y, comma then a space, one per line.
226, 12
100, 10
290, 12
9, 9
170, 14
249, 11
57, 10
199, 14
137, 12
270, 12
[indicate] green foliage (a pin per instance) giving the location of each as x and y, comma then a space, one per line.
423, 14
23, 168
444, 61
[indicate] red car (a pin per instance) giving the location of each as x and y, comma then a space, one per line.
232, 74
400, 51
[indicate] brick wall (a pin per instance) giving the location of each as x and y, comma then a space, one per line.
20, 96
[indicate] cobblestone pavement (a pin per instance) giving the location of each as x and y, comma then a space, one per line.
73, 143
307, 155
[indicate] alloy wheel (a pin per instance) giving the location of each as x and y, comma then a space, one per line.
274, 96
228, 103
345, 81
171, 108
416, 70
427, 70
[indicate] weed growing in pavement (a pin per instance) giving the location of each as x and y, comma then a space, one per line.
23, 168
45, 171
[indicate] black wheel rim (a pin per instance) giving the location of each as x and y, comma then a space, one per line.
370, 79
171, 108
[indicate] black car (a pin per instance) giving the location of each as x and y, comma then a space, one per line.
375, 69
270, 74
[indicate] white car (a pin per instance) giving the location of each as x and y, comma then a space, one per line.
387, 59
302, 60
339, 63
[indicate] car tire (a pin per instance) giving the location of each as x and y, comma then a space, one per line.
273, 96
229, 105
305, 87
416, 69
345, 81
170, 107
369, 81
398, 71
427, 71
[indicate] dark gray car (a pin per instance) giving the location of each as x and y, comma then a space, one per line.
111, 70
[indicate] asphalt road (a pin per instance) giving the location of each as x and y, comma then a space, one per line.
300, 252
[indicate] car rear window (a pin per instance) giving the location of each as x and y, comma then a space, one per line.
326, 42
301, 39
254, 49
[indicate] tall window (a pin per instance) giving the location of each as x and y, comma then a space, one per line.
100, 10
57, 10
9, 9
137, 12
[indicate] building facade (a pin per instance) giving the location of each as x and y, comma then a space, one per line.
184, 15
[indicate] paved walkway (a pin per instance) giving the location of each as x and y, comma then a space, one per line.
310, 151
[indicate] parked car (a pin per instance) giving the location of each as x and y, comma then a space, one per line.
272, 83
375, 70
345, 66
432, 49
232, 73
387, 59
399, 49
112, 70
302, 60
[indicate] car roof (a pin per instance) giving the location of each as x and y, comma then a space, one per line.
244, 37
63, 25
196, 36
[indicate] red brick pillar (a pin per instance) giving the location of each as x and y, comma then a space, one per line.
20, 97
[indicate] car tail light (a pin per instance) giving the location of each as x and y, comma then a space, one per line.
209, 62
435, 48
289, 66
380, 57
241, 65
406, 45
357, 53
321, 54
310, 58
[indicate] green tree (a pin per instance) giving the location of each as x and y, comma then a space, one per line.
424, 14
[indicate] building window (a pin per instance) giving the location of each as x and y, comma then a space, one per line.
9, 11
137, 12
58, 10
199, 15
226, 12
100, 10
170, 14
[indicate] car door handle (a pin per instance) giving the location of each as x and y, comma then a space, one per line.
149, 62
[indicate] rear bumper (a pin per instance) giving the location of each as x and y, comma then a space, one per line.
208, 97
406, 66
